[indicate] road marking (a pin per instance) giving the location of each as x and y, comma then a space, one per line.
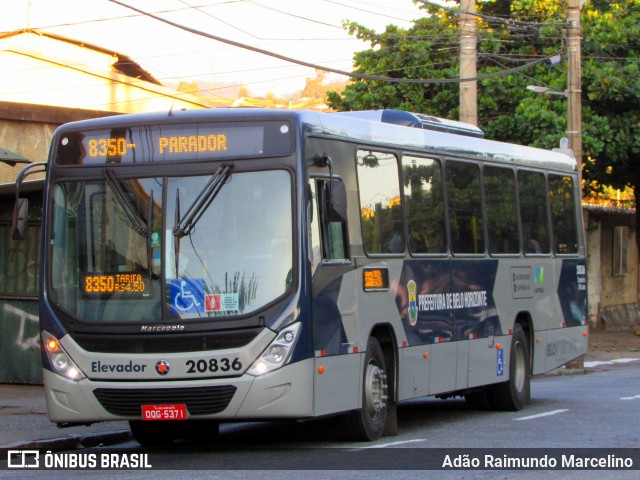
385, 445
598, 363
546, 414
630, 398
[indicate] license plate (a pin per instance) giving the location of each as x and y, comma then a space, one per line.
164, 412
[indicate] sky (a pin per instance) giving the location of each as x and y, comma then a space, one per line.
309, 30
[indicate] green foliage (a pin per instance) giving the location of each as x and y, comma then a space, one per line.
506, 109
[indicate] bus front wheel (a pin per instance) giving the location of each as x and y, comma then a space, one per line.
368, 422
514, 394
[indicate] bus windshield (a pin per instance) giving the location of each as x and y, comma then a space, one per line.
115, 256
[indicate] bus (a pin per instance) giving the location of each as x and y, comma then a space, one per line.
229, 265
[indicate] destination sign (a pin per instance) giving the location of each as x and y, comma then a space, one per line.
113, 283
165, 143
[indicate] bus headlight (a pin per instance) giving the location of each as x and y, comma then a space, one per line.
277, 353
59, 359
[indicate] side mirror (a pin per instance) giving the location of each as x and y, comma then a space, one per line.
21, 208
19, 220
335, 195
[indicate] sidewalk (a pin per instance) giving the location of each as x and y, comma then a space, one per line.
24, 423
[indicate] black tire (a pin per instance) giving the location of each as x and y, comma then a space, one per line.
153, 434
368, 422
514, 394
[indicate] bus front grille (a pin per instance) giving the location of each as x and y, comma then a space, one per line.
165, 343
199, 400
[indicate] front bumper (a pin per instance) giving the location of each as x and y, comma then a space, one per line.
284, 393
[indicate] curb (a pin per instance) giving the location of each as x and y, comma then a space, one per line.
72, 442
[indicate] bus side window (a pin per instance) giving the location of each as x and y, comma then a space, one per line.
424, 203
502, 217
534, 212
465, 207
328, 239
380, 202
563, 214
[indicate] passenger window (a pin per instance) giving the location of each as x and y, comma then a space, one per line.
563, 214
380, 204
465, 208
424, 204
533, 212
502, 217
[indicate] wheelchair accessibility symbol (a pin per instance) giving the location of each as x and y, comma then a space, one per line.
187, 296
500, 362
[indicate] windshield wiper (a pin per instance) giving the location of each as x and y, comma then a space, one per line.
138, 223
183, 226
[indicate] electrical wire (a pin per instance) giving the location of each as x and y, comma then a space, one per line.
321, 67
367, 11
611, 79
266, 7
122, 17
504, 21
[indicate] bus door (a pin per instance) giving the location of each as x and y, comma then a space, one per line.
335, 330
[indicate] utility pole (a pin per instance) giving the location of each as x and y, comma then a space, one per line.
468, 68
574, 81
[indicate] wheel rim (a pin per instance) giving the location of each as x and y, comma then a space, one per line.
519, 367
375, 390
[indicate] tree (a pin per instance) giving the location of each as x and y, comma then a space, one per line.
507, 111
316, 88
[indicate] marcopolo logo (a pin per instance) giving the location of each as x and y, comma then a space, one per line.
99, 367
161, 328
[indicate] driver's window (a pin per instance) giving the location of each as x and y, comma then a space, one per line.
328, 239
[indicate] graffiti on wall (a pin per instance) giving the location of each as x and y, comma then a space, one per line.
23, 341
19, 342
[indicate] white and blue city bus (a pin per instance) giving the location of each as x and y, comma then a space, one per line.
210, 266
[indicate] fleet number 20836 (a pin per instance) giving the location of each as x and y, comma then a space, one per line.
214, 365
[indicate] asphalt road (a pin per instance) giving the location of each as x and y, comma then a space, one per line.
593, 411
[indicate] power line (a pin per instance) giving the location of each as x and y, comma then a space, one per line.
612, 79
199, 9
122, 17
491, 18
367, 11
322, 67
292, 14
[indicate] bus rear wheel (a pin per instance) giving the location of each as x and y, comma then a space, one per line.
368, 422
514, 394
